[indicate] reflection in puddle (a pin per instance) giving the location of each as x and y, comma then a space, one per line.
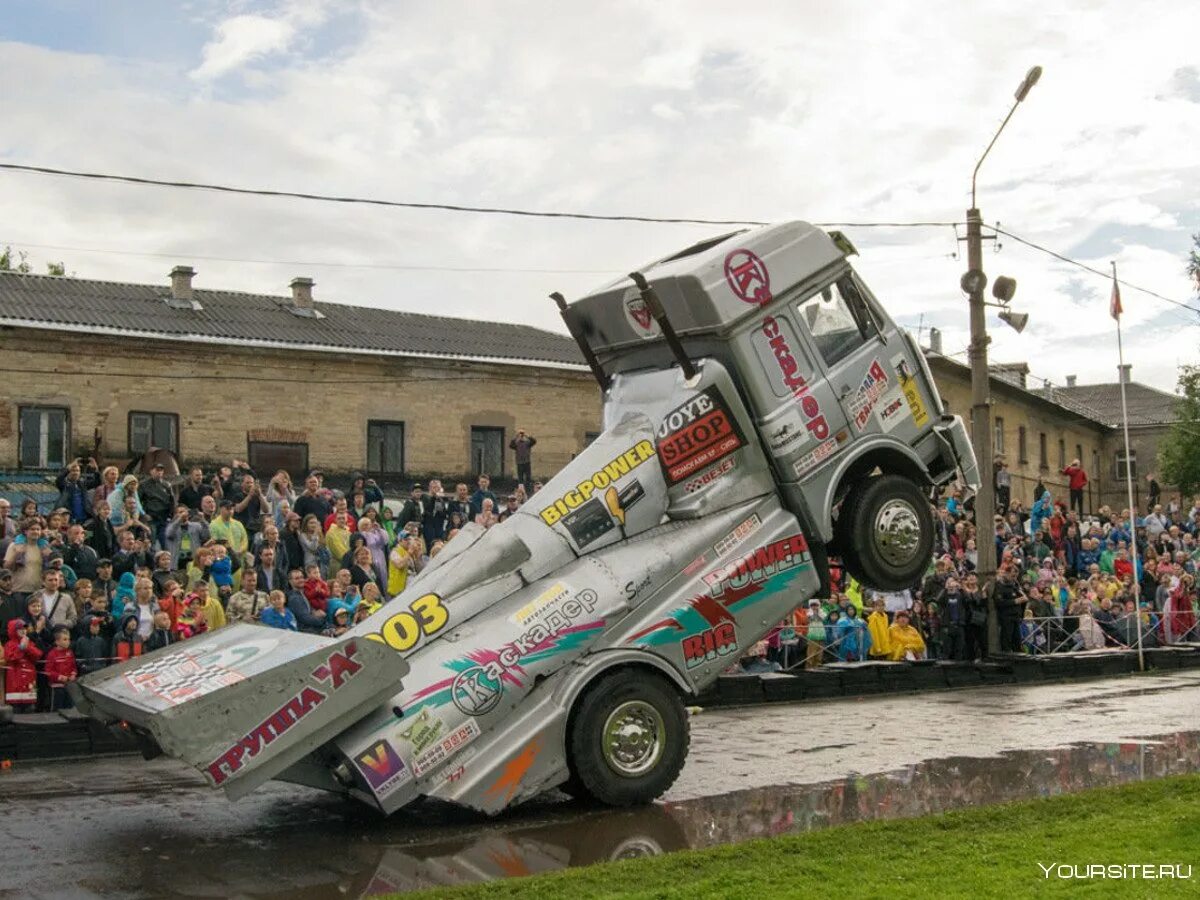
434, 847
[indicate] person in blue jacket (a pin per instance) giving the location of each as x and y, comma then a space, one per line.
853, 639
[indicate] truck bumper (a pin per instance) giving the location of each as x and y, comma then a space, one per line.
957, 450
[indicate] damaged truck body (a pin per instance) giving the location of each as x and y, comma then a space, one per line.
761, 411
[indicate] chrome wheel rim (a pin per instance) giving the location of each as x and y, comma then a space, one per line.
634, 737
897, 533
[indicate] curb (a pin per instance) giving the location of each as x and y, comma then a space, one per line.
844, 680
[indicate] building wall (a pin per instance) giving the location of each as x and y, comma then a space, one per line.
225, 397
1016, 409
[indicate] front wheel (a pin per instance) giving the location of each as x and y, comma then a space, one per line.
887, 530
628, 738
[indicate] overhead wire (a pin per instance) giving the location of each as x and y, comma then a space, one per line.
410, 204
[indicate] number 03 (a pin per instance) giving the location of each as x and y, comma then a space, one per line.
426, 616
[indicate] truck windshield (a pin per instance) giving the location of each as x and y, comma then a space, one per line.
837, 318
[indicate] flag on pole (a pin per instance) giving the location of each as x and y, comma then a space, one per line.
1114, 305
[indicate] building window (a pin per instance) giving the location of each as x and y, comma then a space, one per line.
385, 447
1079, 454
487, 451
1022, 445
267, 456
1062, 454
1043, 456
44, 437
998, 435
151, 429
1125, 469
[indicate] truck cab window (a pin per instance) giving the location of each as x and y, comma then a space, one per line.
838, 319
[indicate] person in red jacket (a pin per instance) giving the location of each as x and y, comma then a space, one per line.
1078, 481
316, 590
20, 659
60, 669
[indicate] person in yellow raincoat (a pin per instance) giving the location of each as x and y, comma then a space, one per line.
905, 639
877, 625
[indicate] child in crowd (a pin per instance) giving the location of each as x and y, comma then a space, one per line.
21, 656
339, 623
316, 590
191, 620
277, 615
128, 643
91, 647
222, 569
161, 635
162, 572
60, 669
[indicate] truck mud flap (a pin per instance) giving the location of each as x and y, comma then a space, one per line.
243, 703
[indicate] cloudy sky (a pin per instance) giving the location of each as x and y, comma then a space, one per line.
857, 111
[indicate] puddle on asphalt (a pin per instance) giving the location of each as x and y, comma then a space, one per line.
436, 846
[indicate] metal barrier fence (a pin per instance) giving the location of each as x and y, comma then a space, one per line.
1038, 637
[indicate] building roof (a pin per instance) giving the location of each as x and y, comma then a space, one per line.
259, 320
1147, 405
1000, 380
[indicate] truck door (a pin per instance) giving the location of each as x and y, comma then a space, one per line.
848, 336
799, 418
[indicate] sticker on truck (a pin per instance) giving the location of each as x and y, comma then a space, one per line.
697, 433
614, 470
912, 391
874, 383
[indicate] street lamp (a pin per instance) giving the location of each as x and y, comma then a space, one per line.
973, 283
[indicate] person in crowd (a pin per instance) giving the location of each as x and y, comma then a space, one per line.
21, 656
312, 502
158, 501
269, 571
303, 616
289, 537
183, 536
246, 606
904, 640
60, 669
127, 643
162, 633
482, 494
26, 556
377, 545
337, 538
58, 606
316, 589
280, 491
91, 648
877, 625
230, 530
522, 446
277, 615
75, 494
853, 639
1077, 481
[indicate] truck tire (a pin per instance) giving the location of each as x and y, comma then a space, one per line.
887, 531
628, 738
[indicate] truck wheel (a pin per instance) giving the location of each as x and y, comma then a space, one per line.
628, 739
888, 532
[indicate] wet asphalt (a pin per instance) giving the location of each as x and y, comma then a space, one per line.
122, 827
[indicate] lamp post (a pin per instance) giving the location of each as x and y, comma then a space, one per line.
973, 283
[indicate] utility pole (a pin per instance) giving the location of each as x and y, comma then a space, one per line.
973, 283
981, 421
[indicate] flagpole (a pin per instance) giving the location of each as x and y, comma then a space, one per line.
1137, 585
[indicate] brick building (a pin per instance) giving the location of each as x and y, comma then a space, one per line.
284, 382
287, 382
1039, 431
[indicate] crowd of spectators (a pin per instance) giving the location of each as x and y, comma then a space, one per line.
125, 565
1065, 581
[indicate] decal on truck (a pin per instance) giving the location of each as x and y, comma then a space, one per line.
637, 314
814, 421
748, 277
446, 747
479, 678
339, 668
709, 645
732, 587
181, 676
696, 434
873, 385
425, 616
611, 472
912, 391
383, 768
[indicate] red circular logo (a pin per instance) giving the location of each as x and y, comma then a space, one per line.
748, 277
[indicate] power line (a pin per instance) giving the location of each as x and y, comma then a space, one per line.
448, 207
1094, 271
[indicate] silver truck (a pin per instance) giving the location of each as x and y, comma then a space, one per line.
761, 411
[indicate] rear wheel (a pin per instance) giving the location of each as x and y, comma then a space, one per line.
628, 738
886, 531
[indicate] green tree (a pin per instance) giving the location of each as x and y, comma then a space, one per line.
1179, 453
22, 264
1193, 266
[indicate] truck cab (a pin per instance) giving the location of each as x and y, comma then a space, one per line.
841, 398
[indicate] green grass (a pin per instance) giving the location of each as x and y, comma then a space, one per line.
985, 852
